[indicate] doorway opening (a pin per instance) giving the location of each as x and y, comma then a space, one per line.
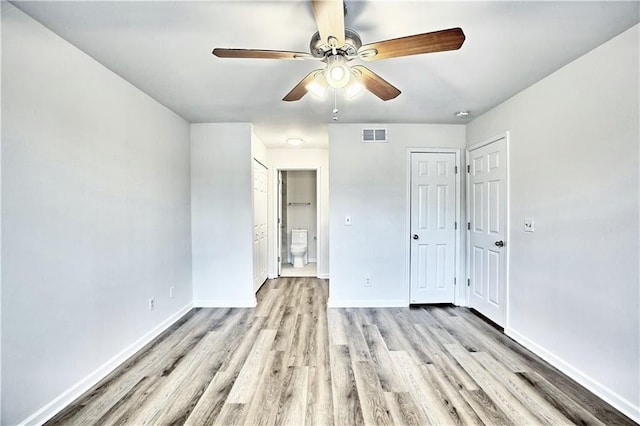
297, 223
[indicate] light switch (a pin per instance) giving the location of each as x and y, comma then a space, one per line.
347, 220
528, 225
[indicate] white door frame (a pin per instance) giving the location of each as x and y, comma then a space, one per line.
504, 136
278, 199
319, 242
459, 298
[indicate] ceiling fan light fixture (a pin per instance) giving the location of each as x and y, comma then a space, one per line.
353, 89
318, 85
338, 72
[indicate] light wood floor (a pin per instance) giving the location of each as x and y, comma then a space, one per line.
292, 361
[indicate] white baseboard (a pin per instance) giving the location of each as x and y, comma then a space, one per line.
623, 405
238, 303
323, 276
67, 397
331, 303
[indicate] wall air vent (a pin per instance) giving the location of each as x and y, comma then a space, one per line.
374, 135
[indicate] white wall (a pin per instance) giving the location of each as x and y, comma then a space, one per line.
222, 214
95, 219
301, 188
369, 183
574, 283
300, 158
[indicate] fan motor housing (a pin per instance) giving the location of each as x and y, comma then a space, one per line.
352, 43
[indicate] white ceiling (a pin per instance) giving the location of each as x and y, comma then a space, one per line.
164, 48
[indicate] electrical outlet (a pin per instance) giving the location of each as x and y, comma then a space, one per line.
171, 292
151, 304
367, 280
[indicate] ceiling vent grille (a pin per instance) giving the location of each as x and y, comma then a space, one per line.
374, 135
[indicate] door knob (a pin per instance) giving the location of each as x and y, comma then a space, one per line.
499, 243
415, 236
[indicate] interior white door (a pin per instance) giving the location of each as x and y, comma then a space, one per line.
433, 227
487, 229
259, 224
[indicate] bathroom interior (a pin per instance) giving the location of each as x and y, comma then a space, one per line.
298, 223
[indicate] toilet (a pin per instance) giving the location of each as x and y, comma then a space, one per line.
299, 247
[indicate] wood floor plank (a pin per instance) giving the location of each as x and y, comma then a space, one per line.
502, 398
418, 349
284, 334
235, 359
433, 409
374, 405
403, 409
454, 372
337, 335
267, 302
395, 330
231, 415
210, 404
123, 412
319, 397
300, 343
319, 409
558, 399
358, 349
293, 400
346, 404
458, 408
526, 394
485, 408
489, 345
262, 409
180, 391
292, 361
245, 385
386, 370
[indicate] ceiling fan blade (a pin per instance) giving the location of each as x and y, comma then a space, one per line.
301, 88
329, 16
374, 83
259, 54
437, 41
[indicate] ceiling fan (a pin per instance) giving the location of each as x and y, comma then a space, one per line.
336, 46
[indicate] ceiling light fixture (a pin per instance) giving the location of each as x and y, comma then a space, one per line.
353, 89
295, 141
462, 114
318, 85
338, 72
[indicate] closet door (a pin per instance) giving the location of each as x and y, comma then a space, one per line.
433, 227
259, 224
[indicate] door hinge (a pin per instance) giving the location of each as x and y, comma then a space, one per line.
468, 282
468, 168
469, 226
278, 221
455, 280
456, 226
456, 169
278, 258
